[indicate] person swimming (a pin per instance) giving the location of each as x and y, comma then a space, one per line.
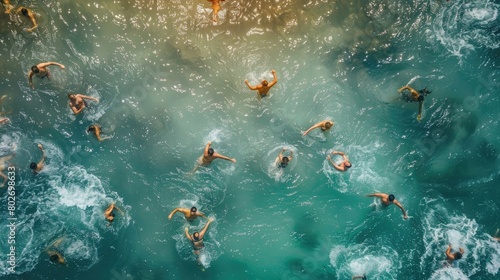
324, 125
282, 161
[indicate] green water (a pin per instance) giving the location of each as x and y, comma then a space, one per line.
169, 81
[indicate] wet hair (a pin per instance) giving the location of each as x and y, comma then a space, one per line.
284, 161
420, 98
328, 124
425, 91
348, 166
91, 128
193, 209
112, 214
71, 96
265, 83
457, 255
196, 236
54, 257
33, 165
391, 197
35, 69
210, 152
24, 11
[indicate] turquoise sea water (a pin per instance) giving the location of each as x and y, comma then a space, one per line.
169, 80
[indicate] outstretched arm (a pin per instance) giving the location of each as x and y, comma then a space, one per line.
30, 79
311, 128
108, 210
402, 209
173, 212
403, 88
42, 160
204, 230
88, 97
224, 157
448, 253
45, 64
335, 165
249, 86
200, 214
186, 232
33, 21
275, 79
381, 195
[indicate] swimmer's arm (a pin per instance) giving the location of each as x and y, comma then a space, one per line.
98, 134
403, 88
311, 128
33, 21
224, 157
249, 86
41, 162
172, 213
108, 210
19, 9
204, 230
205, 153
45, 64
30, 79
200, 214
77, 111
275, 79
8, 6
381, 195
89, 97
335, 165
449, 256
461, 250
186, 231
402, 208
291, 155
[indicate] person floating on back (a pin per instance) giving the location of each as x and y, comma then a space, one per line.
3, 164
344, 165
109, 213
209, 155
450, 258
3, 120
197, 239
282, 161
388, 200
264, 87
189, 214
37, 167
27, 13
416, 96
324, 125
77, 102
40, 70
216, 8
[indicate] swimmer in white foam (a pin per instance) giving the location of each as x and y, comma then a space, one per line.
344, 165
324, 125
450, 258
109, 213
282, 161
388, 199
37, 167
197, 238
54, 253
264, 87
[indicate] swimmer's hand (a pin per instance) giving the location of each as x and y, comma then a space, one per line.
273, 71
62, 66
211, 219
405, 217
419, 117
328, 157
233, 160
40, 146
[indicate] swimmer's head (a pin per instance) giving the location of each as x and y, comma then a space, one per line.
264, 83
111, 217
24, 11
35, 69
71, 96
421, 98
347, 164
284, 161
328, 124
33, 165
54, 258
457, 255
193, 209
196, 236
391, 197
210, 152
91, 128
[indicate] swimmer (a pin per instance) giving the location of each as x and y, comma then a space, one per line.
282, 161
3, 120
29, 15
263, 88
343, 166
324, 125
54, 253
109, 214
363, 277
189, 214
3, 165
197, 238
450, 258
416, 96
216, 8
495, 237
77, 102
209, 155
96, 130
40, 70
8, 6
37, 167
388, 200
